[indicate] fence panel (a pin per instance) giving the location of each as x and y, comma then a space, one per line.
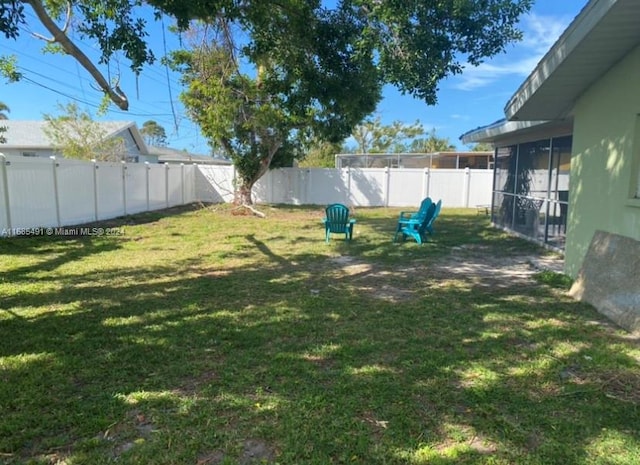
480, 186
261, 192
326, 185
174, 185
282, 185
157, 186
407, 187
135, 184
189, 184
368, 187
447, 185
110, 190
76, 191
32, 197
214, 183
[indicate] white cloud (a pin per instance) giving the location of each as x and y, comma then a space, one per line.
540, 33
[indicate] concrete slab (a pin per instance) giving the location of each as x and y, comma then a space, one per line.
610, 279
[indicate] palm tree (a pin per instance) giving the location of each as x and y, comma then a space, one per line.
4, 109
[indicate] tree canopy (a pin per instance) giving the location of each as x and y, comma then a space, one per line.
371, 136
412, 45
154, 133
4, 109
75, 134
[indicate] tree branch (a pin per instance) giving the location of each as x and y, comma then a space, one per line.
59, 35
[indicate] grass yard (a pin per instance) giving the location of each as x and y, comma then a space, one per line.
207, 338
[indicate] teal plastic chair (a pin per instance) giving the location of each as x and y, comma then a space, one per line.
416, 228
411, 217
436, 213
337, 221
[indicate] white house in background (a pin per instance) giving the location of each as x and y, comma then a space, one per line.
174, 156
28, 139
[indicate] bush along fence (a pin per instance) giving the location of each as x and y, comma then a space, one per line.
51, 192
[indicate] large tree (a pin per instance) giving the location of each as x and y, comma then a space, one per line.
262, 109
274, 74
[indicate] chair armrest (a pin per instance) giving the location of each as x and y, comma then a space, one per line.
407, 214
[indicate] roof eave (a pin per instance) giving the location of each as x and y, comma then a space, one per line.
550, 91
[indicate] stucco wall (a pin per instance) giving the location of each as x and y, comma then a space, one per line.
606, 139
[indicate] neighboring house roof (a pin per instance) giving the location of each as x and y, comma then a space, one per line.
31, 134
603, 33
25, 134
169, 155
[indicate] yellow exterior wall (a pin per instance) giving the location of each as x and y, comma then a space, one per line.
604, 164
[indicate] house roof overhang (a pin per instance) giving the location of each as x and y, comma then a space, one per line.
505, 132
600, 36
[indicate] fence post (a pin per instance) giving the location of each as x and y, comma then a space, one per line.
95, 189
426, 182
466, 188
5, 187
182, 183
348, 196
146, 180
56, 193
387, 182
124, 186
307, 185
166, 184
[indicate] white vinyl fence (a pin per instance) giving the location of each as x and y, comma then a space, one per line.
364, 187
41, 193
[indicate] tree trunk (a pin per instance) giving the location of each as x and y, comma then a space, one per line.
243, 194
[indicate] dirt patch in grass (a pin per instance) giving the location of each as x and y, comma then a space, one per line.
474, 264
254, 452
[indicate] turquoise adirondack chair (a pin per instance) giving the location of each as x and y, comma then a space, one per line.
337, 221
429, 226
409, 217
416, 227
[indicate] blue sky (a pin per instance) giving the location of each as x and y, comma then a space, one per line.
472, 99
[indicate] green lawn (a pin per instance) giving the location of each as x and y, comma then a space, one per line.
201, 336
